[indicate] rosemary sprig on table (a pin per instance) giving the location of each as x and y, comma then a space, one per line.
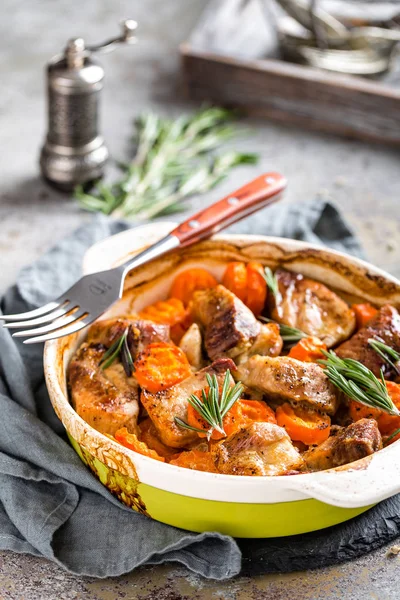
387, 354
213, 405
119, 349
175, 159
358, 382
289, 335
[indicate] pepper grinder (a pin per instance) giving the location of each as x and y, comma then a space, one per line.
74, 151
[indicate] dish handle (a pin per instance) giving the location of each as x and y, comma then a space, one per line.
366, 482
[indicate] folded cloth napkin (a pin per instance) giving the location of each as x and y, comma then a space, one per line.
50, 504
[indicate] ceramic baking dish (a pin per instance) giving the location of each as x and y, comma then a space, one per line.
198, 501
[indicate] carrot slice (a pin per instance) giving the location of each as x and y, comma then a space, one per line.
364, 313
160, 366
308, 349
235, 279
357, 411
189, 281
195, 459
247, 283
388, 424
256, 288
130, 440
170, 312
303, 426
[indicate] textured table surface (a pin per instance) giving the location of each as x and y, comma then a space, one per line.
362, 179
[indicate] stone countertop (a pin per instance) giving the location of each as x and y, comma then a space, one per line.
361, 178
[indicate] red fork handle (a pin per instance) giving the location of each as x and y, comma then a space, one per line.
260, 192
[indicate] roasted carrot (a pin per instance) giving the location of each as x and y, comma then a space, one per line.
303, 426
189, 281
387, 424
364, 313
195, 459
235, 279
256, 288
130, 440
160, 366
308, 349
361, 411
169, 312
247, 283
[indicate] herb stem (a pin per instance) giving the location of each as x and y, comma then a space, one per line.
174, 160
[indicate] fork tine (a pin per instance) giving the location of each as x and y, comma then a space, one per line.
37, 312
56, 314
52, 326
62, 331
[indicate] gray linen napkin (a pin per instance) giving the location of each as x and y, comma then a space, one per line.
50, 504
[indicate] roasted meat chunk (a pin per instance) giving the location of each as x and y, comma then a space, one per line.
142, 333
162, 407
267, 343
230, 327
351, 443
106, 399
385, 326
285, 379
313, 308
259, 449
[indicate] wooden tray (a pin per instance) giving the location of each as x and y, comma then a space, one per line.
231, 58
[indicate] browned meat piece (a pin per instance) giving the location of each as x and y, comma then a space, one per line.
385, 326
107, 331
313, 308
259, 449
286, 379
163, 406
267, 343
106, 399
230, 327
350, 443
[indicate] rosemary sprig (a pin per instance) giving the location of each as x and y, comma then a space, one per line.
174, 160
289, 335
119, 348
358, 382
272, 282
391, 436
387, 354
213, 405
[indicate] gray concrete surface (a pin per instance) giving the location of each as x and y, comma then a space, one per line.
363, 180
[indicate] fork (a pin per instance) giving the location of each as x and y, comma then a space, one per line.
93, 294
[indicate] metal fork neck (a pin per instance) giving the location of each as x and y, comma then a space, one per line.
167, 243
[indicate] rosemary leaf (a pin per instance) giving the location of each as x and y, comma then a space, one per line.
174, 160
113, 352
126, 358
386, 353
119, 348
214, 404
185, 425
358, 383
391, 436
289, 335
272, 282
